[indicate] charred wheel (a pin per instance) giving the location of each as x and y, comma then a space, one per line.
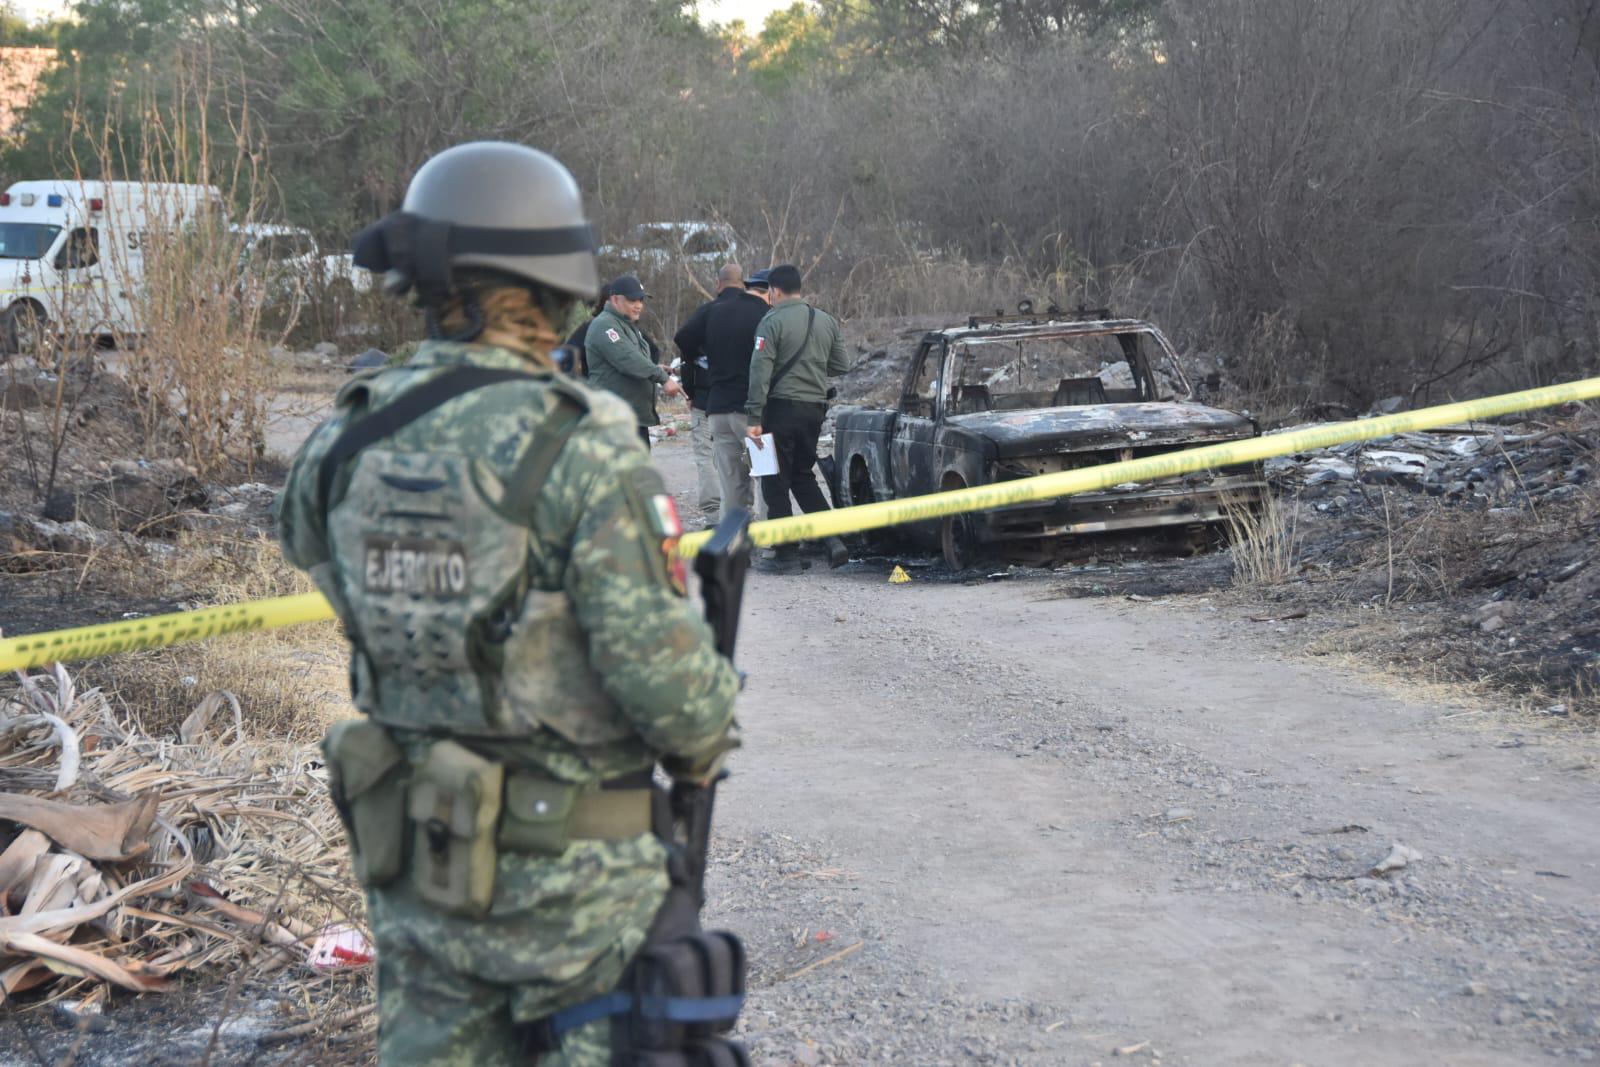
958, 535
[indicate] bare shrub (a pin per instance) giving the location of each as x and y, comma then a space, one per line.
1265, 540
948, 285
51, 365
199, 362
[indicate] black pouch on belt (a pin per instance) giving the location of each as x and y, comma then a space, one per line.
708, 1052
722, 964
704, 967
671, 970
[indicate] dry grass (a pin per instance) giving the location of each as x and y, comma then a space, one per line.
293, 681
1264, 537
940, 284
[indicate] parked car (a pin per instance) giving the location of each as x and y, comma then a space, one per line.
1011, 397
651, 247
293, 264
72, 253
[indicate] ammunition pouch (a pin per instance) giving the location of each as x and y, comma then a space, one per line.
707, 1052
458, 811
367, 778
455, 806
543, 816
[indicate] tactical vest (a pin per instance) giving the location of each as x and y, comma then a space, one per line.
430, 570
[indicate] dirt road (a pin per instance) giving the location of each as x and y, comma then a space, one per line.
1068, 830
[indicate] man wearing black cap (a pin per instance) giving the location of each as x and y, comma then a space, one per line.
618, 354
797, 349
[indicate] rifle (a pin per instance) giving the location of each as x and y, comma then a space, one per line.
721, 564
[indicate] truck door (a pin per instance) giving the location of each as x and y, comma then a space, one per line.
911, 463
81, 299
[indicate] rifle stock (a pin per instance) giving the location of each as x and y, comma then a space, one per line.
722, 565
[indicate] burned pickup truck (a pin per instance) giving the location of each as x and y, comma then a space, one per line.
1014, 396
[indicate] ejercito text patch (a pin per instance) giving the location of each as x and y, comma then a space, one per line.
416, 566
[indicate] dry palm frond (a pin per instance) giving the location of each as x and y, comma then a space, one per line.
125, 857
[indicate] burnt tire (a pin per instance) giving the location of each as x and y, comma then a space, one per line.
958, 539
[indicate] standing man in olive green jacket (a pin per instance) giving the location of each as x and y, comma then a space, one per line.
619, 356
798, 348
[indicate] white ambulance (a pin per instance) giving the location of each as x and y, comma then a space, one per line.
72, 253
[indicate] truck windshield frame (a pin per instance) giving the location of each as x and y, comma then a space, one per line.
27, 240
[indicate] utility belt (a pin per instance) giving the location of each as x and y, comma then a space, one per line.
448, 817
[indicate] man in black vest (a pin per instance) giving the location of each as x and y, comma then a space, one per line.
797, 349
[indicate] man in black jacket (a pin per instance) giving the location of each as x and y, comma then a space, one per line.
727, 337
695, 372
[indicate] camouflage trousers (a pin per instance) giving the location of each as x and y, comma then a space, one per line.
452, 991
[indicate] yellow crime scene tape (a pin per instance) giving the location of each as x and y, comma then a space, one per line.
156, 631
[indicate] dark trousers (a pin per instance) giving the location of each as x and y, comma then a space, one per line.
795, 427
644, 435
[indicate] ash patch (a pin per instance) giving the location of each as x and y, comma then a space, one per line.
1477, 548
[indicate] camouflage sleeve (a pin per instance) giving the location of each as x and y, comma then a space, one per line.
761, 366
301, 531
655, 656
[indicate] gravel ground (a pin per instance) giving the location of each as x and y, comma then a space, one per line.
1138, 828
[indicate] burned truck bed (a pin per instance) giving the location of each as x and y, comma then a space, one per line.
1006, 398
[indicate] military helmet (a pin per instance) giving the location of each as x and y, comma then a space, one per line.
491, 205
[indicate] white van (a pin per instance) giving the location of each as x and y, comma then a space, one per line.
72, 253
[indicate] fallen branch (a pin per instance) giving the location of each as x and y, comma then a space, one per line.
40, 921
849, 950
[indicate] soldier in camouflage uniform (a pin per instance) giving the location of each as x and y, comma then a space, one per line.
498, 549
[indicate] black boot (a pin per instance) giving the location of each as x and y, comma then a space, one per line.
838, 554
785, 559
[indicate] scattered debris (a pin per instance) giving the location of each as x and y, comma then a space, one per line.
341, 946
1347, 828
1298, 613
100, 875
1399, 857
848, 950
319, 1026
